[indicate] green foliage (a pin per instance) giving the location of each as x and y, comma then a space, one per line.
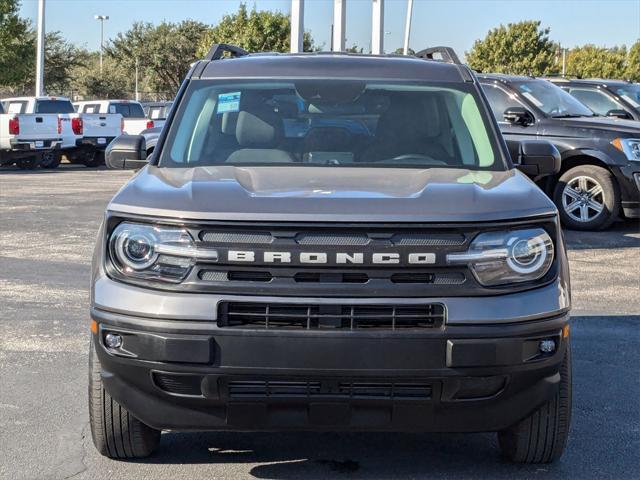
590, 61
519, 48
632, 69
255, 31
112, 83
14, 44
400, 51
164, 52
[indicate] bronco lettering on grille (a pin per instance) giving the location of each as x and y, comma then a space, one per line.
357, 258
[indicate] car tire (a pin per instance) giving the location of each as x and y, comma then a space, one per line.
50, 159
94, 159
572, 187
115, 432
28, 163
542, 436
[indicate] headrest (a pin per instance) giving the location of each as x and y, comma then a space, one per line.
410, 118
258, 129
229, 123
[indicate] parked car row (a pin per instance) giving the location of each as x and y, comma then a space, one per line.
599, 179
37, 131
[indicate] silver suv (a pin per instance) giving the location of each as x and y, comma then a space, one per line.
331, 242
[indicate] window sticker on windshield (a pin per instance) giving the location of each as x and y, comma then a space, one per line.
112, 109
532, 99
629, 99
229, 102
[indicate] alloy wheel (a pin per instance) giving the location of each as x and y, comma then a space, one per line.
583, 199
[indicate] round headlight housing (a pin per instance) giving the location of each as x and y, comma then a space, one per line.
505, 257
151, 252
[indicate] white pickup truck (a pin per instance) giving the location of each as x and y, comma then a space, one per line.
84, 136
24, 138
135, 120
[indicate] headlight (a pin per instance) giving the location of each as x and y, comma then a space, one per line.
629, 146
497, 258
154, 252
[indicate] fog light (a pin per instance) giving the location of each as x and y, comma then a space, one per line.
547, 346
113, 340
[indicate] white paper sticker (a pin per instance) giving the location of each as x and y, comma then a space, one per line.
229, 102
532, 99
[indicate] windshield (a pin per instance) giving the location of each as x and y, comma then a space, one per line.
54, 106
551, 99
331, 123
630, 93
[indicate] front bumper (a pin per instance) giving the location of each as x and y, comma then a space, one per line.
193, 375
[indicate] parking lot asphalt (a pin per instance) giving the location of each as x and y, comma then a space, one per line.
48, 225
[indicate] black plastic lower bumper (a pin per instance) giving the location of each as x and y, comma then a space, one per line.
98, 143
454, 379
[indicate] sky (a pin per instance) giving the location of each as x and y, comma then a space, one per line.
455, 23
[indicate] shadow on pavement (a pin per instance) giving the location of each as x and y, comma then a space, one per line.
624, 234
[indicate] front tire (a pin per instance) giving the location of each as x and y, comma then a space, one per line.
28, 163
587, 198
115, 432
94, 159
542, 436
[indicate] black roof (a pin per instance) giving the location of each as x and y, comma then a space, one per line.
505, 77
588, 81
333, 65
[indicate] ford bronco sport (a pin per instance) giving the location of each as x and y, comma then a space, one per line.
330, 242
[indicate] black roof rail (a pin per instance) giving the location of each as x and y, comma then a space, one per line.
217, 51
448, 54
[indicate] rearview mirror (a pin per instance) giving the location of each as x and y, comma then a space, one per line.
126, 152
518, 116
619, 114
538, 158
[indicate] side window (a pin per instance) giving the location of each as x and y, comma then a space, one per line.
596, 100
499, 100
16, 107
91, 108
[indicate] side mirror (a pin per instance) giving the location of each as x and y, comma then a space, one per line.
126, 152
538, 158
619, 114
518, 116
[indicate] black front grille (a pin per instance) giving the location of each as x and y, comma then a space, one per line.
371, 390
316, 317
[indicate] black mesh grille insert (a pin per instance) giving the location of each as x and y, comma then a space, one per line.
179, 384
313, 389
315, 316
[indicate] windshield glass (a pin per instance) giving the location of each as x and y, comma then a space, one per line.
332, 123
551, 99
54, 106
630, 93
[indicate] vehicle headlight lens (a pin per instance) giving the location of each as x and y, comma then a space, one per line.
629, 146
153, 252
498, 258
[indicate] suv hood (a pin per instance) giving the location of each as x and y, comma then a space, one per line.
615, 127
331, 194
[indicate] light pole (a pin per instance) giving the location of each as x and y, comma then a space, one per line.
102, 18
407, 27
40, 50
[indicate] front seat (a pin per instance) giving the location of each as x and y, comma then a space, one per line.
259, 133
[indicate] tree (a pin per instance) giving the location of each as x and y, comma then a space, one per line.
519, 48
255, 31
90, 83
632, 70
164, 53
400, 51
590, 61
15, 49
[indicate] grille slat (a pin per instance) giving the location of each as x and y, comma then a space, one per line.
313, 316
367, 390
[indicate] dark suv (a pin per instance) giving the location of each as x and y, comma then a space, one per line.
607, 98
600, 174
330, 242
